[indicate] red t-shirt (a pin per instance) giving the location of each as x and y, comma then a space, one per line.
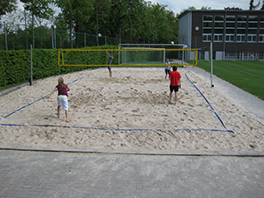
174, 78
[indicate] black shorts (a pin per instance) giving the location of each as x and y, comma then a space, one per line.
174, 88
167, 71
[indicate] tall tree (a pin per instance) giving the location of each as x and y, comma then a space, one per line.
7, 6
76, 13
38, 8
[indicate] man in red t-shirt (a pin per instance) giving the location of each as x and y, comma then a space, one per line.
175, 83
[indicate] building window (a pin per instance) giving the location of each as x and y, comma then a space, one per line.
219, 24
240, 38
207, 37
207, 17
219, 18
241, 31
230, 18
252, 31
253, 18
207, 30
242, 18
253, 25
230, 31
261, 38
241, 24
230, 24
207, 24
230, 38
218, 37
252, 38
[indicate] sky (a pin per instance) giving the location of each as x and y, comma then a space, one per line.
178, 5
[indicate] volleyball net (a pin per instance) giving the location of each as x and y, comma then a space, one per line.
128, 57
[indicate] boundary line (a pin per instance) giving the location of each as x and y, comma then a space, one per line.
209, 105
105, 129
41, 98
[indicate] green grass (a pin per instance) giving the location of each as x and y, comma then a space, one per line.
247, 75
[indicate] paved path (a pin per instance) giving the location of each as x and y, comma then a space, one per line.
50, 174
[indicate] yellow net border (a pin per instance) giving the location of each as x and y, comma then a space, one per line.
61, 60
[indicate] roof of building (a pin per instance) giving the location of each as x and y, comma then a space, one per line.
226, 11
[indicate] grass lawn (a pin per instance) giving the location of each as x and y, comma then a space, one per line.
247, 75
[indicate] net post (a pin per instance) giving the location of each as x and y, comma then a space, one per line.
31, 70
211, 60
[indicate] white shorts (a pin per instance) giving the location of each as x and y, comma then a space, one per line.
63, 102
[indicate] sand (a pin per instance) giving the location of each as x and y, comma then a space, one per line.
128, 112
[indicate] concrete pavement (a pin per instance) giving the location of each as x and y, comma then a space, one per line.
58, 174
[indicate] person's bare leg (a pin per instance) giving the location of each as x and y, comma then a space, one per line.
176, 97
170, 97
58, 111
67, 115
110, 72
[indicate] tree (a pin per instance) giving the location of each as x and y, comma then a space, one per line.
38, 8
7, 6
75, 13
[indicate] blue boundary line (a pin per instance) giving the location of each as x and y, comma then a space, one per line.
105, 129
209, 104
114, 129
40, 98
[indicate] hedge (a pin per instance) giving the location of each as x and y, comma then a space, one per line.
15, 65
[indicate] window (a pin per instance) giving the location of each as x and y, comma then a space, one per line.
228, 24
239, 24
207, 30
230, 31
252, 31
207, 24
261, 38
218, 31
207, 17
219, 18
218, 37
230, 38
240, 38
242, 18
252, 38
207, 37
219, 24
253, 25
230, 18
241, 31
253, 18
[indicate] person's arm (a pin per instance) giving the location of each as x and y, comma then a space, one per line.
180, 83
52, 92
108, 53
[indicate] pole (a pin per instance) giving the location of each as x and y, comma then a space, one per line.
26, 28
5, 37
31, 73
55, 38
52, 45
84, 39
211, 58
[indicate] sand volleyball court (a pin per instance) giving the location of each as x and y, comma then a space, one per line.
129, 111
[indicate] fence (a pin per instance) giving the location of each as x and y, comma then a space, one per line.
49, 38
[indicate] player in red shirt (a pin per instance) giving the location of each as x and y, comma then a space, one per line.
175, 83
